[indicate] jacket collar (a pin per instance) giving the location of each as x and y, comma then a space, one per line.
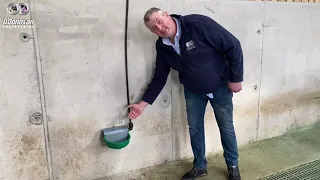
181, 19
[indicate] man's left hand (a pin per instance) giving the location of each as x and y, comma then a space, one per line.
235, 87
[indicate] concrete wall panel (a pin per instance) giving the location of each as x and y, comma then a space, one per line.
22, 146
290, 87
82, 52
153, 129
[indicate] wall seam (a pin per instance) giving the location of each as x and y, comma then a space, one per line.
42, 94
172, 123
261, 61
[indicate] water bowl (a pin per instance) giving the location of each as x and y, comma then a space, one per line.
117, 137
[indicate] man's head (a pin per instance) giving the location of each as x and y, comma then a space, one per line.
160, 22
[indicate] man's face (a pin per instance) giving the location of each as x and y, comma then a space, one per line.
161, 24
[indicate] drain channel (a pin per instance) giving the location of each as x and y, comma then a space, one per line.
308, 171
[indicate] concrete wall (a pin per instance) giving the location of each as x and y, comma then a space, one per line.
22, 144
72, 71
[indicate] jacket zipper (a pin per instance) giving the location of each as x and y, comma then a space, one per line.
218, 71
172, 50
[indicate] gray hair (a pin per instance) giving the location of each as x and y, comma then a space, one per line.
150, 11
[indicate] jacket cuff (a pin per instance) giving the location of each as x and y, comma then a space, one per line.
148, 98
236, 79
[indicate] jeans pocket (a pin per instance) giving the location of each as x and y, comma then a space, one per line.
223, 95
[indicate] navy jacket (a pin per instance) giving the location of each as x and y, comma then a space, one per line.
210, 57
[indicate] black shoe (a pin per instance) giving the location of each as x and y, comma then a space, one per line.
234, 173
194, 173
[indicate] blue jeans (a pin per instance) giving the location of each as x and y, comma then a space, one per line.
223, 109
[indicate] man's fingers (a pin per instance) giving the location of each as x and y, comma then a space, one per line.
133, 115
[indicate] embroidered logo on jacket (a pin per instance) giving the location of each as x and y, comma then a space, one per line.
190, 45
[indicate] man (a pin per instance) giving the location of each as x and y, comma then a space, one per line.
210, 64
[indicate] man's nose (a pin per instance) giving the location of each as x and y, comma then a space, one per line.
158, 27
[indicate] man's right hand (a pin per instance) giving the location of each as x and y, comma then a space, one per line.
136, 109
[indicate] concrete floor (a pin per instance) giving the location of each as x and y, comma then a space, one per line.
257, 159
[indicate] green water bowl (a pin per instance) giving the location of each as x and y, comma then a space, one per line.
119, 144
